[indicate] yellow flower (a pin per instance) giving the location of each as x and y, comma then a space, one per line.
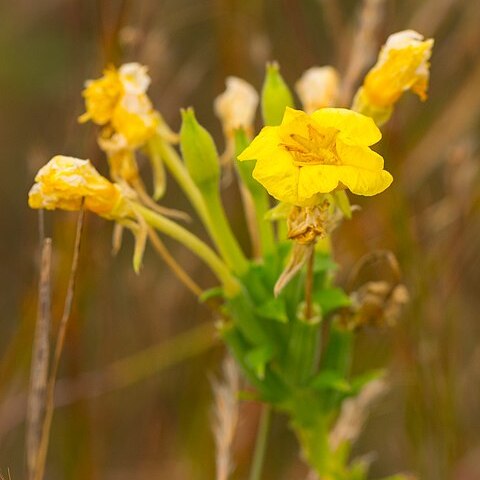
65, 181
308, 155
318, 88
403, 64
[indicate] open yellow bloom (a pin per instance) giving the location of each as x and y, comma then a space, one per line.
308, 155
403, 64
65, 181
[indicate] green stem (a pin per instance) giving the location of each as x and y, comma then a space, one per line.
180, 172
193, 243
208, 206
221, 231
265, 227
261, 443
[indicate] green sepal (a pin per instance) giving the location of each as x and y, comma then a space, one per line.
363, 379
273, 309
276, 96
198, 151
331, 299
258, 358
330, 380
215, 292
343, 202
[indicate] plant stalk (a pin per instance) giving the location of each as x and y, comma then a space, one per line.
261, 443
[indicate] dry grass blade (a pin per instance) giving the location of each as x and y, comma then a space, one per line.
364, 46
458, 116
50, 394
225, 417
40, 359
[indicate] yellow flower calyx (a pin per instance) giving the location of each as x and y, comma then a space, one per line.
65, 181
310, 155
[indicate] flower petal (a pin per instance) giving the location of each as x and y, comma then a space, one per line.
364, 182
353, 127
278, 175
359, 156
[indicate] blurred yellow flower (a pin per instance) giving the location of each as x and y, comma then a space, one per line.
308, 155
135, 119
64, 181
101, 97
403, 64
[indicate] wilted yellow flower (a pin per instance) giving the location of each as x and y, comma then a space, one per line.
308, 155
318, 88
65, 181
236, 106
119, 99
135, 119
101, 97
403, 64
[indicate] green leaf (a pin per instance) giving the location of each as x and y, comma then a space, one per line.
258, 358
331, 299
331, 380
273, 309
323, 263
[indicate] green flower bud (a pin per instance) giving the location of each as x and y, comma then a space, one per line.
198, 150
276, 96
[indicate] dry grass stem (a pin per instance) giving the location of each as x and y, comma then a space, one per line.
364, 47
225, 417
354, 413
120, 374
62, 330
167, 257
458, 116
36, 404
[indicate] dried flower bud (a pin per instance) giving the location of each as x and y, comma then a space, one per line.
236, 106
318, 88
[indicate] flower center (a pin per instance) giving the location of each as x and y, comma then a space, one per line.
319, 148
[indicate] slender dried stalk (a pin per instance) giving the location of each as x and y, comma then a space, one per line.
37, 397
179, 272
122, 373
225, 417
50, 394
364, 48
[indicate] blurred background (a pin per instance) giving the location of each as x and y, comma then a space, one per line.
134, 399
